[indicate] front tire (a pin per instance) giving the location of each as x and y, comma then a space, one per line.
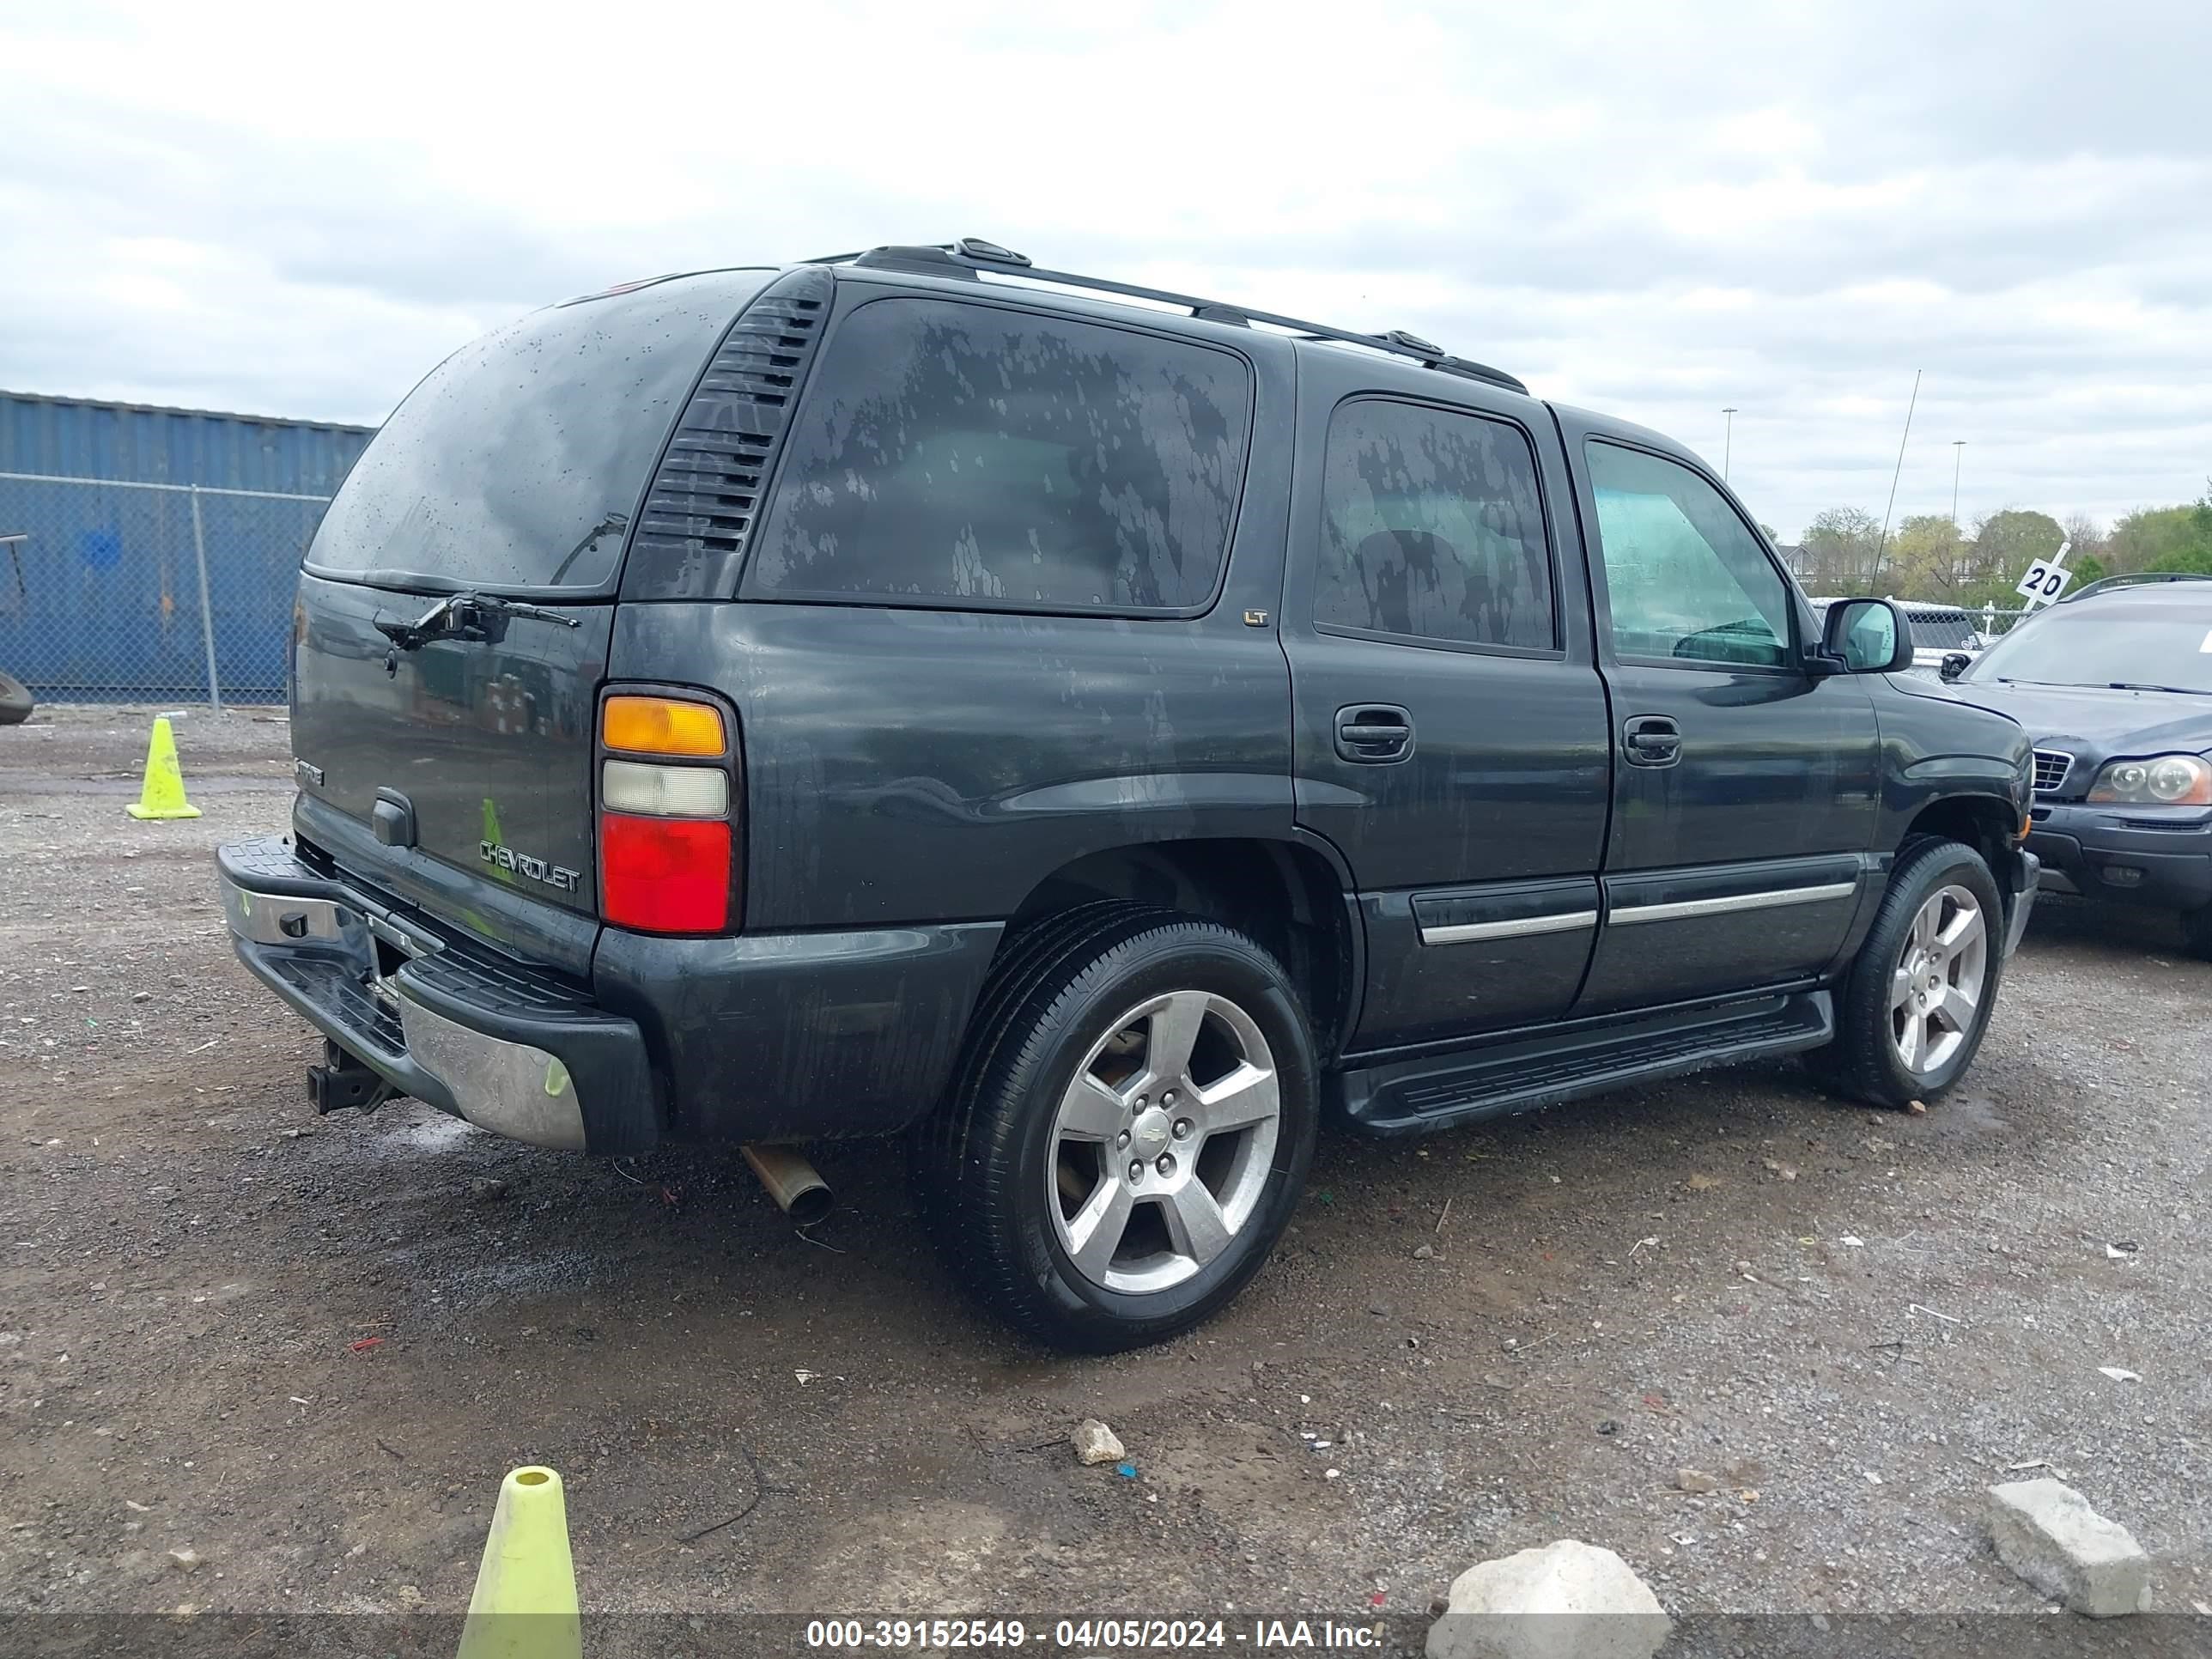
1132, 1125
1911, 1015
15, 701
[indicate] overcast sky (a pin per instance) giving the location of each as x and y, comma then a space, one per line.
297, 209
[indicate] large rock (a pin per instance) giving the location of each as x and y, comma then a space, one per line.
1565, 1601
2046, 1532
1095, 1443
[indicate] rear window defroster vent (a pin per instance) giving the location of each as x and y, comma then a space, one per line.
709, 490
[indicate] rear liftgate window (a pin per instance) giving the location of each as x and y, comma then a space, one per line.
965, 456
518, 461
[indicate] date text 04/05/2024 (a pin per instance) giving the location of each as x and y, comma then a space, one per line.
1099, 1635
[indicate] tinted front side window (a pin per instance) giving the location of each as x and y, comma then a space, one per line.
966, 455
519, 459
1433, 526
1684, 576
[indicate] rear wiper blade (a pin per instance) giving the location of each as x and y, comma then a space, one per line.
460, 615
517, 608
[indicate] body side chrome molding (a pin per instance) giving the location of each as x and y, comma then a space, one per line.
1684, 909
1463, 932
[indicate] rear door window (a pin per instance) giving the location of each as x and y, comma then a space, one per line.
518, 463
982, 458
1433, 529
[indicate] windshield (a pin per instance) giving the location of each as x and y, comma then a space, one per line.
518, 461
2133, 647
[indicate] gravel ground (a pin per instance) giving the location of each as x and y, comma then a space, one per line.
307, 1350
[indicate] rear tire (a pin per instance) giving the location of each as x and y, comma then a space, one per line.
1911, 1014
15, 701
1131, 1126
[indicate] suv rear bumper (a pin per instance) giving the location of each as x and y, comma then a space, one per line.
518, 1052
756, 1037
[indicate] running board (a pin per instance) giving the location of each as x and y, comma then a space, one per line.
1436, 1091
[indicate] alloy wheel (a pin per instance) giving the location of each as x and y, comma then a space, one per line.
1163, 1143
1935, 988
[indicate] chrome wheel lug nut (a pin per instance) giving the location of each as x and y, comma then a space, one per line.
1166, 1166
1182, 1128
1136, 1170
1121, 1141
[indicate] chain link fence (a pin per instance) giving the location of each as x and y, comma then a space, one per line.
119, 591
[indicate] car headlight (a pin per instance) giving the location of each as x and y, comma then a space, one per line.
2162, 781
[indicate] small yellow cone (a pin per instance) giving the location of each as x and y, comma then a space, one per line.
524, 1605
163, 793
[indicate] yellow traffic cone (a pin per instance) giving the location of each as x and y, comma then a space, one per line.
163, 793
524, 1605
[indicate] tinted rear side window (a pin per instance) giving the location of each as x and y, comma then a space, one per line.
517, 462
968, 455
1433, 528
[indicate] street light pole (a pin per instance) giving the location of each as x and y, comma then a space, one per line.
1958, 453
1727, 443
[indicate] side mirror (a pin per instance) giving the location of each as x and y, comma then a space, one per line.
1867, 636
1955, 663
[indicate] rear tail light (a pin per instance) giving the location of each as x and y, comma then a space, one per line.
665, 875
663, 725
668, 792
668, 829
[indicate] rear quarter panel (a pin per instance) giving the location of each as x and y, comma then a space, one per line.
912, 775
930, 765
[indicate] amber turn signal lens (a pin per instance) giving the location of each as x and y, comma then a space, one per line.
661, 725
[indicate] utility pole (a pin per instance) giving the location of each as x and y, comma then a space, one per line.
1727, 443
1958, 453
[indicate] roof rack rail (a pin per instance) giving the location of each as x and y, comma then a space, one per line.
971, 255
2136, 579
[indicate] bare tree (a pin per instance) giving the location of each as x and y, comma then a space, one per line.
2087, 537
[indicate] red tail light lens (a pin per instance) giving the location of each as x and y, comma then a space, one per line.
665, 875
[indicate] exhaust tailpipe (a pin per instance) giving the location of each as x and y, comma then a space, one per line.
799, 1190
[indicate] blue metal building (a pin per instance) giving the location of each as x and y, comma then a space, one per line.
114, 510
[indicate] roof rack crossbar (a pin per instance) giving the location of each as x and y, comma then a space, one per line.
2136, 579
971, 254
